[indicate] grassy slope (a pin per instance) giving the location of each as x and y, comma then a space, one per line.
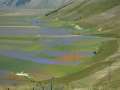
96, 14
97, 64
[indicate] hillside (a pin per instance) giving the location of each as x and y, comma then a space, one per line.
102, 17
31, 4
97, 14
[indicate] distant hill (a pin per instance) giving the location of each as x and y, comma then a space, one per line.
13, 3
31, 3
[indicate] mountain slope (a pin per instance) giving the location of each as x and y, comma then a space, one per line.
102, 18
30, 4
13, 3
96, 14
